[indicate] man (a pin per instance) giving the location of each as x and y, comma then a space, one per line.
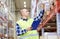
25, 26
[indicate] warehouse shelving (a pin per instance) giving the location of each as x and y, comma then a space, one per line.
3, 21
45, 22
7, 20
48, 23
49, 13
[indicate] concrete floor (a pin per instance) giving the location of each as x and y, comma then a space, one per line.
50, 36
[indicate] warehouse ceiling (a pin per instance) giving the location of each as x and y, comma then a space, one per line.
19, 4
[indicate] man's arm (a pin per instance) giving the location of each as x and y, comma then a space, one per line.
39, 17
19, 30
37, 20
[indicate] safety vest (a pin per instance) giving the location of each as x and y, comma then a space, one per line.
33, 34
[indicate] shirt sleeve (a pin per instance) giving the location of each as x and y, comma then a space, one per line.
39, 17
37, 20
19, 30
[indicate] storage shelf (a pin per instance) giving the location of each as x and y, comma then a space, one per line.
6, 17
51, 29
47, 18
51, 25
3, 35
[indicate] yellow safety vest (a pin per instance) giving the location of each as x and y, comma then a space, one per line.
33, 34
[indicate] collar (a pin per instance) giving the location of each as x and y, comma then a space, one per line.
24, 19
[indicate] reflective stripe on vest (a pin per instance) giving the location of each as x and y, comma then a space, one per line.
28, 36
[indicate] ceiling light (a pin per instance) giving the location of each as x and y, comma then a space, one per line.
24, 2
25, 6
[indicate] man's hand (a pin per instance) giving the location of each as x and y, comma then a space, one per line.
39, 28
29, 28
